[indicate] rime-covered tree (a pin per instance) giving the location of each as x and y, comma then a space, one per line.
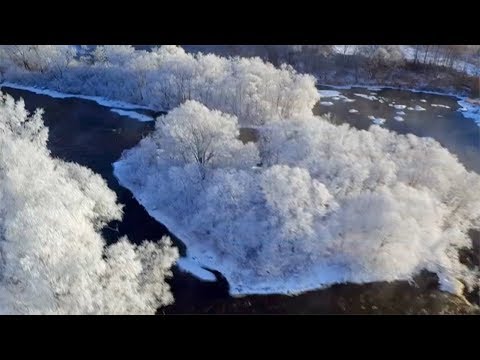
329, 204
53, 259
255, 91
39, 58
192, 133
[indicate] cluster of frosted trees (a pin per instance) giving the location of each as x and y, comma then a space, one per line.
308, 195
453, 56
53, 259
373, 204
255, 91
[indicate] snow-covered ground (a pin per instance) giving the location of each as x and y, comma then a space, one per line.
460, 65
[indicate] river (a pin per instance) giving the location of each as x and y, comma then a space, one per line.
84, 132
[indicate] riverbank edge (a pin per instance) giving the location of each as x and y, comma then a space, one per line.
120, 107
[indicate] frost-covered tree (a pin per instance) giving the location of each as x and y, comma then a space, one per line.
53, 259
381, 57
192, 133
255, 91
294, 199
39, 58
113, 55
356, 165
329, 204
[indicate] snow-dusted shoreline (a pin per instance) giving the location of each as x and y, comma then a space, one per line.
116, 106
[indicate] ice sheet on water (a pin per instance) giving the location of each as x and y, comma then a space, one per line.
470, 111
133, 114
441, 106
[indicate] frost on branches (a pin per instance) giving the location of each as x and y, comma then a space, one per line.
325, 204
255, 91
53, 259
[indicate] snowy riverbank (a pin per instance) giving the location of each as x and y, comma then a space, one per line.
119, 107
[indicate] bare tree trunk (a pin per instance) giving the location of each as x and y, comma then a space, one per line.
415, 59
425, 55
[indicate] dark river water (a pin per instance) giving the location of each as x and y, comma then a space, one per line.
92, 135
459, 135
